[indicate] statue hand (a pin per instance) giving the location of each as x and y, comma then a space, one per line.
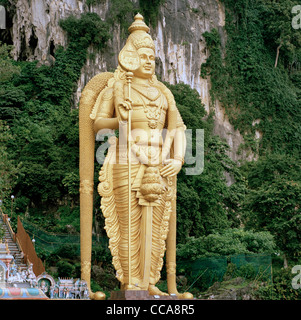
127, 104
124, 108
172, 168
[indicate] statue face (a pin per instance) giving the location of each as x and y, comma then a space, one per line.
147, 63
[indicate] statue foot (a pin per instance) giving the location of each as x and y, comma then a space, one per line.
153, 290
97, 295
185, 295
130, 287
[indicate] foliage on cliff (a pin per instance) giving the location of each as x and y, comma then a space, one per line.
256, 77
205, 202
256, 94
36, 104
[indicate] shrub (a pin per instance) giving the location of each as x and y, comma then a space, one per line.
65, 269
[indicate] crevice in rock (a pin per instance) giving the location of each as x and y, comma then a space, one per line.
33, 43
23, 47
51, 48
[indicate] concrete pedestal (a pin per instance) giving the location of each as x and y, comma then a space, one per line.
138, 295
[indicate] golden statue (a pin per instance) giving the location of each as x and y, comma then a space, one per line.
139, 172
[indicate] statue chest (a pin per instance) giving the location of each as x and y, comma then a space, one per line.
149, 105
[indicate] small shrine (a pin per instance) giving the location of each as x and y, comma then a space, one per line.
22, 283
17, 276
16, 283
63, 288
5, 259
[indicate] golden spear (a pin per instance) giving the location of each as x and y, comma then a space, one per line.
129, 76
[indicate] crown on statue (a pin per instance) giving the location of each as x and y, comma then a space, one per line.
147, 42
139, 38
138, 24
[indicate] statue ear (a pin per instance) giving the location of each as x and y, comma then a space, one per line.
129, 58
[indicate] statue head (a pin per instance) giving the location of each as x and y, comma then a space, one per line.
138, 54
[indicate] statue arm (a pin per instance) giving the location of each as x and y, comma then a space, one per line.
121, 101
174, 165
104, 115
180, 144
175, 138
105, 123
179, 139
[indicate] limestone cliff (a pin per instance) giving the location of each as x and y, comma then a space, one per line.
180, 46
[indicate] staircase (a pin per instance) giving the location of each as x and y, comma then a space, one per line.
12, 245
17, 289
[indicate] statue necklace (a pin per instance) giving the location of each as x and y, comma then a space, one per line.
152, 109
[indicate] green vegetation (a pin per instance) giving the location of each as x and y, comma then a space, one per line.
150, 10
256, 95
229, 242
2, 232
41, 120
279, 289
205, 202
254, 78
273, 201
121, 13
261, 94
8, 167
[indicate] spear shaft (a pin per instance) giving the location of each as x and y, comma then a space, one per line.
129, 76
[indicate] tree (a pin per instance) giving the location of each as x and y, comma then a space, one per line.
12, 98
205, 203
8, 169
7, 68
257, 97
273, 202
278, 18
150, 10
228, 242
38, 103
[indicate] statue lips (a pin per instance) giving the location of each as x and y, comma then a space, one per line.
147, 66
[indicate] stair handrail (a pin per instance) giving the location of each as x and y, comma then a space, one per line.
5, 219
30, 255
12, 233
2, 215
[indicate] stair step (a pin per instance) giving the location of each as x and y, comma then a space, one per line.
12, 246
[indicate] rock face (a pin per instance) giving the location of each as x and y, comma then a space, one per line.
180, 46
35, 27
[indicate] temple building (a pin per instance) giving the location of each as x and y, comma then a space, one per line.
22, 274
